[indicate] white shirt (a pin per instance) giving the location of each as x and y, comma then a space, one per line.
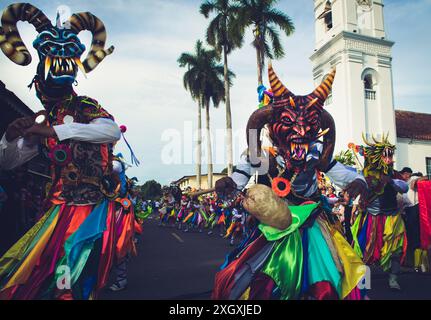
19, 151
411, 197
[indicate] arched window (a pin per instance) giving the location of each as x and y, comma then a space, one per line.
368, 82
369, 78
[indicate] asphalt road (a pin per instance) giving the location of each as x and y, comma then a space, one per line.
172, 264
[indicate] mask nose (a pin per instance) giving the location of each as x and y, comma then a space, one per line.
301, 130
62, 51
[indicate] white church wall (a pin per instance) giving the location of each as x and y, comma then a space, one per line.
412, 154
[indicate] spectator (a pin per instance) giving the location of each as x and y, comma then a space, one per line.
406, 173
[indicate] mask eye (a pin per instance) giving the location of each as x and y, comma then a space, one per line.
286, 121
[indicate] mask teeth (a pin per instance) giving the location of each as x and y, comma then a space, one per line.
305, 146
292, 147
80, 66
47, 66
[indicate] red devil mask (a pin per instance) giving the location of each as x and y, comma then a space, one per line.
295, 122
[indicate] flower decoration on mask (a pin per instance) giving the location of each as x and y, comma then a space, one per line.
265, 96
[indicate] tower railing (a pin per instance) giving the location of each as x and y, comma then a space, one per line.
370, 94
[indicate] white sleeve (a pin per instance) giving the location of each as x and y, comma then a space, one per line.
341, 175
116, 166
242, 173
101, 130
15, 153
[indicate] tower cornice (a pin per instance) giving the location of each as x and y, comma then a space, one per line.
351, 39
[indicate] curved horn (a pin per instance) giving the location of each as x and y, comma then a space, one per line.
10, 40
255, 123
328, 140
87, 21
366, 141
324, 89
277, 86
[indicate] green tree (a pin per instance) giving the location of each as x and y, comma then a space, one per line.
224, 35
266, 21
151, 190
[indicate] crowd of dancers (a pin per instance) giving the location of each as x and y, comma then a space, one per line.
204, 214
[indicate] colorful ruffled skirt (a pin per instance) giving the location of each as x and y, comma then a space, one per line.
67, 254
310, 259
377, 238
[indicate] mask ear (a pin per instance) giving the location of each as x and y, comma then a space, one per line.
327, 122
255, 123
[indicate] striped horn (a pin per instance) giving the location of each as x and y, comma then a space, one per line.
87, 21
324, 89
10, 40
277, 86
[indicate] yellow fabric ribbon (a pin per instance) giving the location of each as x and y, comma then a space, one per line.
17, 251
393, 239
25, 269
354, 268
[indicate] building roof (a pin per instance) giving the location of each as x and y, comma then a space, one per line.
10, 100
192, 176
413, 125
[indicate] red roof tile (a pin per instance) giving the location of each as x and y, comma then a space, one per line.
413, 125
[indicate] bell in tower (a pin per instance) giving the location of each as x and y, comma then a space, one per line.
326, 15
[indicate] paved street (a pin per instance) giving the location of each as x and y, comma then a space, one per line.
177, 265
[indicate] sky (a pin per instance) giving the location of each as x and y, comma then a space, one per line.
141, 82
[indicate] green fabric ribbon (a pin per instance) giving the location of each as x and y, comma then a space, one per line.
299, 215
285, 264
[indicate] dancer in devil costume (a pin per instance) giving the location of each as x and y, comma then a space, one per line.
379, 232
295, 252
69, 252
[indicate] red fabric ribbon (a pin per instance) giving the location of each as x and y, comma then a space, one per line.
424, 197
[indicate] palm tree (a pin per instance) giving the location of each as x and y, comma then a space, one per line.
265, 21
191, 83
203, 80
224, 36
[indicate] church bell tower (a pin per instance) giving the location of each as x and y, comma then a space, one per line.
350, 36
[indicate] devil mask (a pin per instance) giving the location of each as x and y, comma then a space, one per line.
378, 155
296, 122
59, 49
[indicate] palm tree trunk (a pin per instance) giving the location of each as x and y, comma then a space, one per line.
259, 67
257, 42
199, 146
229, 147
209, 150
